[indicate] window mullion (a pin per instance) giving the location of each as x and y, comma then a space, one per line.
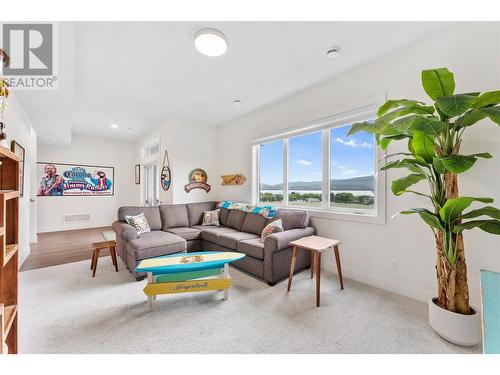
285, 171
256, 174
325, 167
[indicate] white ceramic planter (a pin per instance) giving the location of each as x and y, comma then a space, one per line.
456, 328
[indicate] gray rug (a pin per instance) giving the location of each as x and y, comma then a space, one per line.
65, 310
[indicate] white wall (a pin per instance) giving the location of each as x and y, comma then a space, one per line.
472, 52
89, 151
190, 145
19, 128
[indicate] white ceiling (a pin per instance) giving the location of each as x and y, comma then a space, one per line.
136, 74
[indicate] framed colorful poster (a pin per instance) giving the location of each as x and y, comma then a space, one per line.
19, 150
56, 179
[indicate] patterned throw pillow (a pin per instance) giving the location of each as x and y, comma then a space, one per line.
211, 217
267, 211
273, 227
139, 222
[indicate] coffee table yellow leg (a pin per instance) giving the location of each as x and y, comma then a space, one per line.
225, 275
150, 297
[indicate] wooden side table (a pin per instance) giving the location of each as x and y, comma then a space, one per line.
109, 243
316, 245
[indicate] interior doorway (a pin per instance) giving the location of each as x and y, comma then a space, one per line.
152, 185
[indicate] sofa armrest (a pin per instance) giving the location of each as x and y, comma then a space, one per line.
281, 240
125, 231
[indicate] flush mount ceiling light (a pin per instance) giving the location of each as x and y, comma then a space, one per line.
210, 42
333, 53
114, 126
237, 102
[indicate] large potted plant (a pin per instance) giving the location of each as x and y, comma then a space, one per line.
434, 135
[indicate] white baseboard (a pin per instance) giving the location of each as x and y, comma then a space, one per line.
382, 283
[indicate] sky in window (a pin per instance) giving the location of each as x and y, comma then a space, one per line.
304, 160
271, 163
350, 157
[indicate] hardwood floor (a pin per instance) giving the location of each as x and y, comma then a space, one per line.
63, 247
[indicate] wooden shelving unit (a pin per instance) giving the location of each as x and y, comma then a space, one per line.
9, 246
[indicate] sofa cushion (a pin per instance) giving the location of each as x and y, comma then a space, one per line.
253, 247
230, 240
210, 233
293, 219
254, 223
173, 216
235, 219
187, 233
152, 215
156, 243
195, 211
223, 215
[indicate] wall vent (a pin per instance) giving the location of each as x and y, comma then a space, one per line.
76, 218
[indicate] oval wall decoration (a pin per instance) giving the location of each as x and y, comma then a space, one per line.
166, 175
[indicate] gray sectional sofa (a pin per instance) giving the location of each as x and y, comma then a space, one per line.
177, 228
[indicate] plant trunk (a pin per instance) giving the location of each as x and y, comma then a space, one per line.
453, 290
446, 277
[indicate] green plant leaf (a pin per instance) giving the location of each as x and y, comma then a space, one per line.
484, 211
390, 104
487, 98
438, 165
428, 125
460, 163
483, 155
384, 121
399, 186
412, 165
362, 127
453, 208
493, 113
470, 118
384, 142
455, 105
457, 163
397, 154
423, 146
427, 216
438, 82
489, 226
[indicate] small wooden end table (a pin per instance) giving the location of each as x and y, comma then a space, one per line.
108, 243
316, 245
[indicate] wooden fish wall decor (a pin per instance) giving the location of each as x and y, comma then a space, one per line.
233, 179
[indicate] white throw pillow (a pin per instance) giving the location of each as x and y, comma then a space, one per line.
273, 227
211, 218
139, 222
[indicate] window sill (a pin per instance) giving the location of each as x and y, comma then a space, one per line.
330, 214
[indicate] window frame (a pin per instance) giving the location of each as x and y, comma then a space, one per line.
324, 125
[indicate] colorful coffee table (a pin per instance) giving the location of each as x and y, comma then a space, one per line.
187, 272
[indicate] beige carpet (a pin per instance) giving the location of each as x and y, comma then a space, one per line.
64, 310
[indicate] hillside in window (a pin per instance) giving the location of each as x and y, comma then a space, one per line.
363, 183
